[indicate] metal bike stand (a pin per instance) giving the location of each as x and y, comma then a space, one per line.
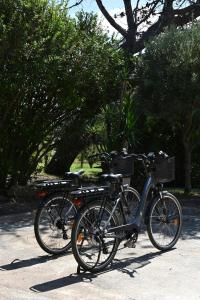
80, 270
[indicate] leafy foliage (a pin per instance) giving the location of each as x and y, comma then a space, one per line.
168, 84
55, 74
52, 70
115, 125
35, 43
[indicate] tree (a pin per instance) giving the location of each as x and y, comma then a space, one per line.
97, 75
145, 19
35, 87
167, 80
45, 80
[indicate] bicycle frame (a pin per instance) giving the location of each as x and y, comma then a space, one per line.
136, 224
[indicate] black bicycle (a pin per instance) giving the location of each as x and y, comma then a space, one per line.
55, 213
100, 226
60, 200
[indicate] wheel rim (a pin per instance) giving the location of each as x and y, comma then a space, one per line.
55, 224
165, 222
94, 247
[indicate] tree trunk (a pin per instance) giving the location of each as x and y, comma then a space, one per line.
82, 160
188, 166
62, 160
187, 142
3, 173
3, 184
68, 149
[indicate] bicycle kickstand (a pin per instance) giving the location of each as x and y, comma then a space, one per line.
80, 270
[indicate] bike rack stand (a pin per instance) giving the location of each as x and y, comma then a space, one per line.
80, 270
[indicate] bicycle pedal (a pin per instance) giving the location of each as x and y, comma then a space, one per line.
130, 244
65, 236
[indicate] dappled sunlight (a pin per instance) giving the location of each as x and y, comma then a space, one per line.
11, 223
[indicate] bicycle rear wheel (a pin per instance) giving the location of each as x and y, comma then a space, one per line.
94, 249
53, 223
164, 222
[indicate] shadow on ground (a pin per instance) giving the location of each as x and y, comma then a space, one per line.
126, 265
11, 223
18, 264
191, 223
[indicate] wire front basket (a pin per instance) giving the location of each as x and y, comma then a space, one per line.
122, 165
165, 169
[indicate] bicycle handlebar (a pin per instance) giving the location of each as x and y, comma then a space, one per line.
149, 157
146, 159
99, 155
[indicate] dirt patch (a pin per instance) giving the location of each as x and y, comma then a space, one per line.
18, 200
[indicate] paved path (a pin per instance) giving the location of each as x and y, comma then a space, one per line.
143, 273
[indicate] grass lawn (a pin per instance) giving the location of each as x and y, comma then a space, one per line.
76, 166
180, 191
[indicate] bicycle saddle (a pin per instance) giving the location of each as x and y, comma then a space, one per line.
73, 175
114, 178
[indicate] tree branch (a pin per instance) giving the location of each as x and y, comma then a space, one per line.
186, 9
75, 4
154, 29
129, 15
187, 14
110, 19
149, 13
178, 17
135, 11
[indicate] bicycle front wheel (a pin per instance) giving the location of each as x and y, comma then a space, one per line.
53, 223
164, 222
94, 249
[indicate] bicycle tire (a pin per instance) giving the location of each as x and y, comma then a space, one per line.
76, 232
63, 205
160, 217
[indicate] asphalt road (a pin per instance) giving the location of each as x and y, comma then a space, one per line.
142, 273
